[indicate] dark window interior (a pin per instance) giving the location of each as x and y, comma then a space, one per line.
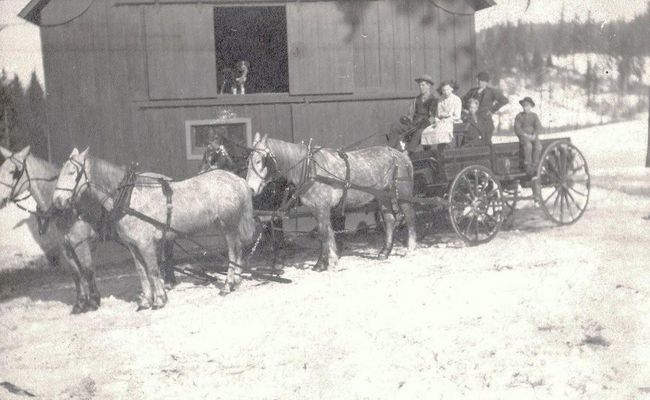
257, 35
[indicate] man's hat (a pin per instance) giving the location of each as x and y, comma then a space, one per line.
483, 76
527, 100
425, 78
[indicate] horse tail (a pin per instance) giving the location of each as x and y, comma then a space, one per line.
246, 220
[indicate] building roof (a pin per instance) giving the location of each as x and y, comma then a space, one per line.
32, 11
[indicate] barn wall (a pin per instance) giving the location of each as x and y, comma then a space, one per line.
100, 68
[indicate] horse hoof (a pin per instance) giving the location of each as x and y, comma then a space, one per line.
92, 305
78, 308
143, 304
319, 268
224, 292
97, 300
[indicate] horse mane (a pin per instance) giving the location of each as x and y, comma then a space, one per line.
289, 157
104, 176
42, 175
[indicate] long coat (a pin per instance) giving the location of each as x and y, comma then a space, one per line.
490, 100
476, 129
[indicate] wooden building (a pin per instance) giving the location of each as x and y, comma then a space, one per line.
125, 76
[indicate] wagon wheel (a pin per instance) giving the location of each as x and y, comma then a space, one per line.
476, 205
510, 198
564, 183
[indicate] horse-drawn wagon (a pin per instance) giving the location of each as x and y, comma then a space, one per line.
481, 185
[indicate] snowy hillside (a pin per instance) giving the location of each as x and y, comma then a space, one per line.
563, 100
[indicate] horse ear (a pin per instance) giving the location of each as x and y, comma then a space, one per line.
84, 153
5, 152
75, 152
22, 154
266, 136
256, 138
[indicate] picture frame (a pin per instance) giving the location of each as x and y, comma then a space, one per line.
199, 132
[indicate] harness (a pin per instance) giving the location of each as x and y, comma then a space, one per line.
42, 217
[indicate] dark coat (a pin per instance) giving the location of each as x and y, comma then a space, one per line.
490, 100
476, 129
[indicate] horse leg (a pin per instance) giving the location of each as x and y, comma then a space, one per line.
145, 299
389, 228
233, 278
165, 262
409, 215
79, 281
150, 259
84, 255
328, 257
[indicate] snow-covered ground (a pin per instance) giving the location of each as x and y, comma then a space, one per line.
541, 312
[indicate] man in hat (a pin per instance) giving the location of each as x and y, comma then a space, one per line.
405, 134
490, 100
527, 128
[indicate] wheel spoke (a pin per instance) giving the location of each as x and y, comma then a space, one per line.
557, 198
568, 205
468, 228
551, 195
561, 205
475, 184
575, 203
554, 170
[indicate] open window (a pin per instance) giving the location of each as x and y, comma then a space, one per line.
199, 133
257, 35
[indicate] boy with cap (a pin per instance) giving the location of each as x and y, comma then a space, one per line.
527, 128
490, 100
406, 133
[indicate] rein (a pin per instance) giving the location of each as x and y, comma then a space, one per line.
42, 217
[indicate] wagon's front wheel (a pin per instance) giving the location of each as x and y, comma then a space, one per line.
476, 207
564, 183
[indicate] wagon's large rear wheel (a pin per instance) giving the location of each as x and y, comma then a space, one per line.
564, 183
476, 205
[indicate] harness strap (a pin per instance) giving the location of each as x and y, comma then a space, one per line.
167, 191
346, 183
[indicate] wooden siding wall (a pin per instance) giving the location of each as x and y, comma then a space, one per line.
98, 76
395, 41
94, 66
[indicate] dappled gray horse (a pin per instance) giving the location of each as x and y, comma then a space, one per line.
378, 168
22, 172
216, 198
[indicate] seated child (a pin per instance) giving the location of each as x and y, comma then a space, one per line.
475, 125
527, 129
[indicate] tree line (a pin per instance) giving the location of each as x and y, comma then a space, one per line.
528, 47
22, 115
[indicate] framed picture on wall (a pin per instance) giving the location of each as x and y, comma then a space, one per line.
198, 134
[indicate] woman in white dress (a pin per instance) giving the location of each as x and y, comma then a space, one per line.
449, 111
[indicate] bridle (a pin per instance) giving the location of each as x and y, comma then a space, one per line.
21, 169
267, 155
81, 172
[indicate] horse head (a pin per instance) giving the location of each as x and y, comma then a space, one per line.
258, 173
13, 180
73, 179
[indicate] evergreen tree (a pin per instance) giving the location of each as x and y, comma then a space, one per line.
36, 121
7, 111
17, 137
538, 66
549, 61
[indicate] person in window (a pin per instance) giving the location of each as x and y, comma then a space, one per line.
474, 125
449, 111
405, 134
490, 100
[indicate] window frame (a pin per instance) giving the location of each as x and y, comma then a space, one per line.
192, 152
